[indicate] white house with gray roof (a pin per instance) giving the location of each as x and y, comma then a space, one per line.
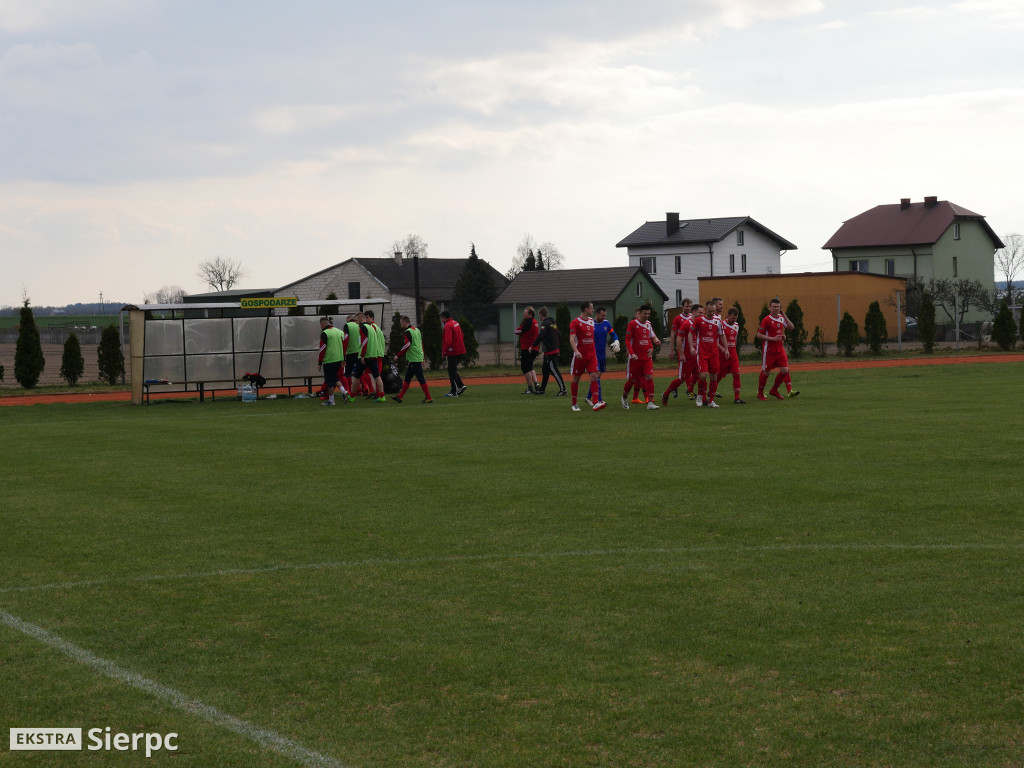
677, 252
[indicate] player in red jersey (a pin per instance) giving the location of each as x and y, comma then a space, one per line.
731, 329
584, 356
640, 343
681, 350
710, 344
772, 332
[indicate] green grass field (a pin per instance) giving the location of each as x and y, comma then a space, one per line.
835, 580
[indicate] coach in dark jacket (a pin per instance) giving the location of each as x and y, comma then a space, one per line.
550, 339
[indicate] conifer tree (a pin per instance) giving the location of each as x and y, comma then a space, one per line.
1004, 329
540, 261
72, 364
796, 339
431, 333
110, 357
849, 335
926, 322
469, 339
818, 342
530, 265
28, 351
474, 286
875, 330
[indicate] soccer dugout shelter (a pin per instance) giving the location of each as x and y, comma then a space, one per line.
206, 348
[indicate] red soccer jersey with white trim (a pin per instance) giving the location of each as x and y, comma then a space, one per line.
732, 333
683, 331
706, 330
638, 338
772, 326
583, 329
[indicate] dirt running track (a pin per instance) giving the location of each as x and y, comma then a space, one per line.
442, 384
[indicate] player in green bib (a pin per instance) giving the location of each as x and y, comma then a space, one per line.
332, 352
374, 346
413, 351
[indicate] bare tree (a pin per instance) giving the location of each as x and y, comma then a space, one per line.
411, 245
221, 274
169, 294
1010, 261
552, 257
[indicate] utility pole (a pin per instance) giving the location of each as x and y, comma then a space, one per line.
101, 302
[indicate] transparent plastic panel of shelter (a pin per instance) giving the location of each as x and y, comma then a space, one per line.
204, 337
250, 333
249, 362
213, 370
300, 332
300, 365
164, 337
170, 368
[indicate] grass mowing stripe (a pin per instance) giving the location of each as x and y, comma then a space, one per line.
373, 562
262, 736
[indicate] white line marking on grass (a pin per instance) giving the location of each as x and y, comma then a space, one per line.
383, 561
262, 736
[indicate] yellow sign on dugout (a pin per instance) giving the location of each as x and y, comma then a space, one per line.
270, 303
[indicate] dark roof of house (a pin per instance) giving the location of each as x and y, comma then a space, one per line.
655, 233
437, 276
904, 224
555, 285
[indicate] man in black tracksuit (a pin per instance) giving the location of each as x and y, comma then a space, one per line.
551, 339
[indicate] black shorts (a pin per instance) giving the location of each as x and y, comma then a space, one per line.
370, 363
526, 359
351, 365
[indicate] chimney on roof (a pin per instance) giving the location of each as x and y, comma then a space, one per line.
671, 224
398, 257
904, 203
930, 201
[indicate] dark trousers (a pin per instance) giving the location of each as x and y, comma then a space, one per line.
331, 375
453, 373
415, 369
550, 367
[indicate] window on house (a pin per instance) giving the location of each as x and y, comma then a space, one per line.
954, 267
956, 230
639, 290
858, 266
743, 262
732, 262
890, 267
679, 298
649, 264
679, 264
353, 290
739, 237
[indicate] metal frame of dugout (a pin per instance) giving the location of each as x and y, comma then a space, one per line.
206, 348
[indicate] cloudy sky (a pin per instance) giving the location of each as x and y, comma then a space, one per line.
140, 137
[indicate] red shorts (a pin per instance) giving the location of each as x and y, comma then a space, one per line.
641, 368
731, 363
581, 365
773, 359
708, 363
686, 366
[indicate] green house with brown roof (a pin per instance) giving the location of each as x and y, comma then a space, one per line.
933, 239
619, 289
